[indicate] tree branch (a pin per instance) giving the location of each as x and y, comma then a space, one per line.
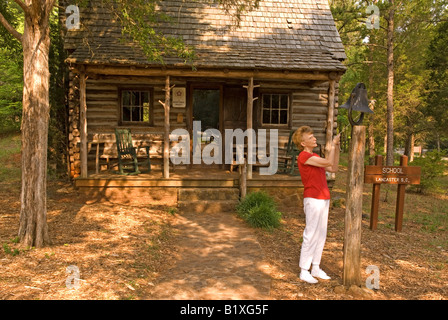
10, 28
22, 5
48, 8
375, 45
366, 62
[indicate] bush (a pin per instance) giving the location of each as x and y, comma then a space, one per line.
259, 210
433, 167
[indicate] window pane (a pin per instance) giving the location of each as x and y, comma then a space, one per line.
266, 116
275, 101
125, 98
284, 101
133, 97
146, 111
275, 118
135, 116
283, 116
145, 104
145, 97
266, 101
126, 113
137, 98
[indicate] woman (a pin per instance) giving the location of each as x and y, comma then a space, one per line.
316, 200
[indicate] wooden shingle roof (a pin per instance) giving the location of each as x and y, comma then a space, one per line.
280, 34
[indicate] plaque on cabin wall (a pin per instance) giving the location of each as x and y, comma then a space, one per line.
179, 97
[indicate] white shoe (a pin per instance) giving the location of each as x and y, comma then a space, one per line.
307, 277
319, 273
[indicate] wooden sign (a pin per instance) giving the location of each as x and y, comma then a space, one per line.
392, 175
401, 175
179, 97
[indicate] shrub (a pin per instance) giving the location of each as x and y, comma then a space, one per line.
432, 167
259, 210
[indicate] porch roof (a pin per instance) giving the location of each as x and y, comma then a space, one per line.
279, 35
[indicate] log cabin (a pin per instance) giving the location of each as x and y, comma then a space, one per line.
277, 69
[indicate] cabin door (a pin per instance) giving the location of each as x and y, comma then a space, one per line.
235, 108
206, 106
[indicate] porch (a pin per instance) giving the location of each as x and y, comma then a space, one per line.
221, 186
184, 177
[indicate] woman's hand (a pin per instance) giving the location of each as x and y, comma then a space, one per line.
337, 140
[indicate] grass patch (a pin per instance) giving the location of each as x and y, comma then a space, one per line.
259, 210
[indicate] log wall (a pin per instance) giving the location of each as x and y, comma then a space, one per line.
309, 106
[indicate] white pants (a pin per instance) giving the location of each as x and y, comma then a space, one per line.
315, 233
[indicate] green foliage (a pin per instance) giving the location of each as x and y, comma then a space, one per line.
436, 97
58, 115
420, 67
259, 210
171, 210
432, 169
11, 66
11, 87
14, 15
9, 250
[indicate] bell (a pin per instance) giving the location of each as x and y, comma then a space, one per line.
358, 100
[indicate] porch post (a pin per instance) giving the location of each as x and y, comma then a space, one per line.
250, 108
166, 138
83, 121
330, 116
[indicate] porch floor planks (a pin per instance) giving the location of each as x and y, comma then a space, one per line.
187, 178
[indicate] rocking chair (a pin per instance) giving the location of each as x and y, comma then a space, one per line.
287, 162
127, 154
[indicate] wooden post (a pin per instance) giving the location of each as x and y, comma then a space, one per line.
250, 109
97, 158
330, 117
400, 198
166, 138
243, 179
330, 120
83, 122
353, 213
375, 197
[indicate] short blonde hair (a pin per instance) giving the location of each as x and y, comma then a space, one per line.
297, 137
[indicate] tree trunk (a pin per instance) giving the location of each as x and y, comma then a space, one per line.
353, 212
409, 147
390, 87
371, 133
33, 229
371, 129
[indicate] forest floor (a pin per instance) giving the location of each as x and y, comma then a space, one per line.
122, 250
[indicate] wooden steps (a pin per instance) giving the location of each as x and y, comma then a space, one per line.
208, 200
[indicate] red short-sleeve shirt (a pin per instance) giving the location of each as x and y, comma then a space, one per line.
313, 178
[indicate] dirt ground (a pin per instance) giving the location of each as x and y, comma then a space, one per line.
121, 250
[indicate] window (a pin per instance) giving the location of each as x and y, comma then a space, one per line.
136, 106
275, 108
